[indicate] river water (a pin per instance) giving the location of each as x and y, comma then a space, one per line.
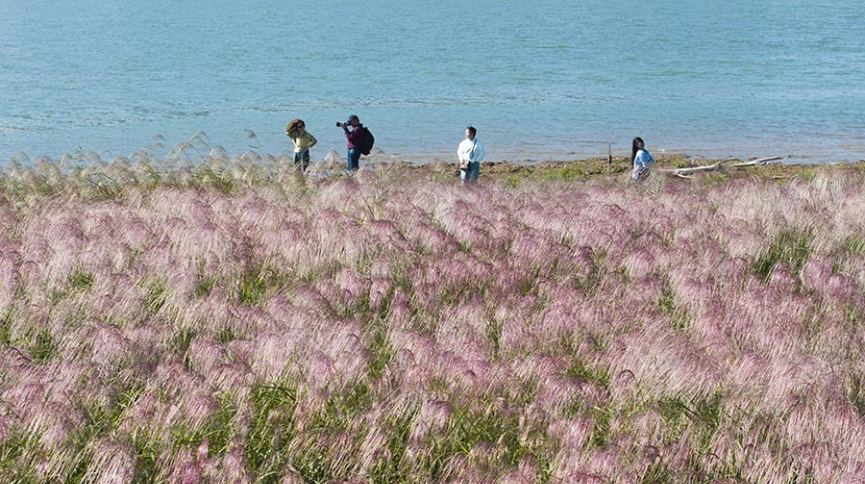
543, 80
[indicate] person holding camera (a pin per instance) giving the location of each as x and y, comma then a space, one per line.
355, 141
470, 153
303, 141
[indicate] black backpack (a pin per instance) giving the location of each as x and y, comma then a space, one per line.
367, 142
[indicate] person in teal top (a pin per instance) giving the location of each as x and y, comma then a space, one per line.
641, 158
303, 141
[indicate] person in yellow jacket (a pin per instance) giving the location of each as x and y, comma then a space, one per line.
303, 141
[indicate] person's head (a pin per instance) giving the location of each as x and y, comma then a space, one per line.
636, 146
301, 126
293, 125
471, 132
353, 120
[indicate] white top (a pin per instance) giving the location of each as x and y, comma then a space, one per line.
470, 151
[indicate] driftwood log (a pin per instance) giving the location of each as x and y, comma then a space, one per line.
684, 172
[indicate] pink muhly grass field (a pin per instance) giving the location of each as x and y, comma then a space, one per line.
238, 323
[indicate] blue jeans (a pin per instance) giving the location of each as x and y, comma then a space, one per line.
302, 157
352, 161
471, 175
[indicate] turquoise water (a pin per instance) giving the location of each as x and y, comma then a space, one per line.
550, 79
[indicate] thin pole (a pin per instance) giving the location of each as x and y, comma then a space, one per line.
609, 158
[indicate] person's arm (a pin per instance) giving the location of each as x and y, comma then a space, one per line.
356, 136
312, 140
639, 162
479, 152
294, 137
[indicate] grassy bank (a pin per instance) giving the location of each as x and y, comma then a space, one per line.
236, 322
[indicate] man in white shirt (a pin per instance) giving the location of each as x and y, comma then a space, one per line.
470, 153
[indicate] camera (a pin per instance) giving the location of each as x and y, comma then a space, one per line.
345, 124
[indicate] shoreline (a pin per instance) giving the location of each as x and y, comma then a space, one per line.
261, 168
841, 147
196, 149
601, 168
